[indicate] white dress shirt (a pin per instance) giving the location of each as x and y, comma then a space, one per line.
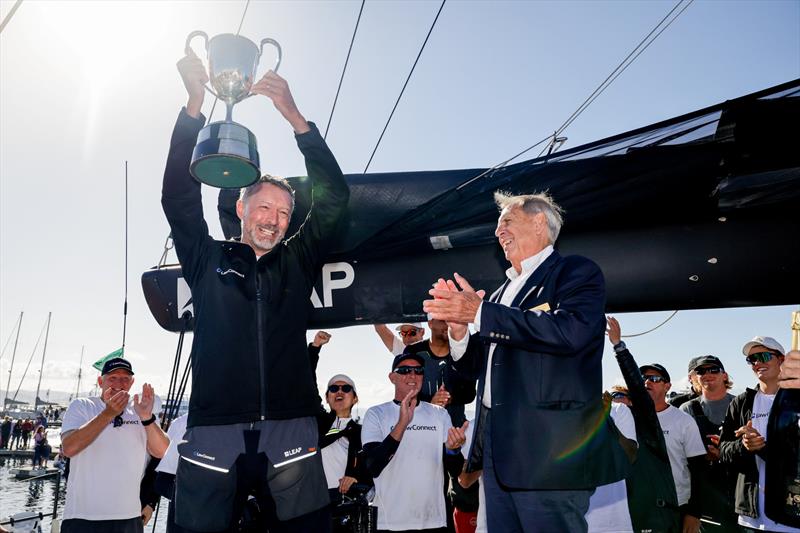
517, 281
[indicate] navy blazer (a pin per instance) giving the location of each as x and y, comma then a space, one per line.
550, 428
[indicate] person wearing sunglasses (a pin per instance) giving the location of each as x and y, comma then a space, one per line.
684, 445
340, 438
109, 440
708, 410
744, 433
408, 445
408, 333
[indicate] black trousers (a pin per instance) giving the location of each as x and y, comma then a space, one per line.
77, 525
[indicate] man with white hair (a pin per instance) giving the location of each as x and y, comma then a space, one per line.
539, 351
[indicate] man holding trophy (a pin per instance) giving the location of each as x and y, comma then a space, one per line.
251, 430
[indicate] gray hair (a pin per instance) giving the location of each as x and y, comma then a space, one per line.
279, 182
532, 204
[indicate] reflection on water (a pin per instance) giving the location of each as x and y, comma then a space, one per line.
38, 495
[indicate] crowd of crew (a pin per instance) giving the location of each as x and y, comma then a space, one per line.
696, 461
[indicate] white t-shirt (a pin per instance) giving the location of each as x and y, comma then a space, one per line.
104, 477
608, 506
683, 440
762, 404
177, 429
409, 492
334, 456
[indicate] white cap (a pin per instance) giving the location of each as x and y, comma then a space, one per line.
342, 377
766, 342
417, 325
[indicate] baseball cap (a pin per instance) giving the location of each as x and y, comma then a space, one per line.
114, 364
766, 342
342, 377
417, 325
405, 356
703, 360
658, 368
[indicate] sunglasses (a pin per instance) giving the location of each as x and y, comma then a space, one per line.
618, 395
333, 389
652, 378
708, 370
118, 421
409, 332
759, 357
403, 370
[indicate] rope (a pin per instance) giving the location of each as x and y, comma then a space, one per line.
597, 92
125, 303
404, 86
9, 337
10, 14
347, 60
624, 64
33, 352
239, 30
675, 312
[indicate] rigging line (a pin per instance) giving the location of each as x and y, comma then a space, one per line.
125, 304
246, 5
670, 317
404, 85
624, 64
498, 165
344, 69
216, 99
602, 87
16, 324
30, 359
615, 76
10, 14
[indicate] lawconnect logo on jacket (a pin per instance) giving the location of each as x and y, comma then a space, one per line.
229, 271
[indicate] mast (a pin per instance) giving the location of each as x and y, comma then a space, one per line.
80, 369
13, 355
41, 368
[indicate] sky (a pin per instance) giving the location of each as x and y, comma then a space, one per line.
86, 86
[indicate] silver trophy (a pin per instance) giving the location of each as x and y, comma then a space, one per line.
226, 155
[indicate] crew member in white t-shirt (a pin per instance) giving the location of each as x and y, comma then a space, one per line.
684, 444
409, 333
744, 434
109, 440
608, 506
407, 446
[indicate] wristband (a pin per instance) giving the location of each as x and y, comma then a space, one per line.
149, 421
456, 451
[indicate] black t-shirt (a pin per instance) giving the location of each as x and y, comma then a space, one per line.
439, 370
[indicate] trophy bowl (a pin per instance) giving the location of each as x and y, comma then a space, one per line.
226, 155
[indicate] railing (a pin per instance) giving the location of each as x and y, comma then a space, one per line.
40, 515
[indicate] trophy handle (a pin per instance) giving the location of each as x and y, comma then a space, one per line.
188, 48
274, 43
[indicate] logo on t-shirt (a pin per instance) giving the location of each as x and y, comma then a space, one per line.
758, 415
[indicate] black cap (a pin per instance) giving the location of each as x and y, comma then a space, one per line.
405, 356
704, 360
658, 368
115, 363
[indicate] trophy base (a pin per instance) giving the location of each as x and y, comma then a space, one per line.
225, 156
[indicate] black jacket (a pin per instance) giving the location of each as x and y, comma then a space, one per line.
652, 499
249, 358
733, 453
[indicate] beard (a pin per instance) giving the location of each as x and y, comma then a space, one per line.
263, 243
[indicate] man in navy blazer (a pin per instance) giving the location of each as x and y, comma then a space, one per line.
544, 438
